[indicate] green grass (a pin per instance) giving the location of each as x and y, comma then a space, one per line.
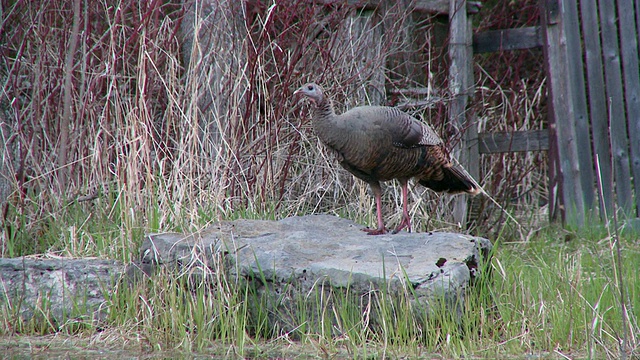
556, 293
103, 228
561, 296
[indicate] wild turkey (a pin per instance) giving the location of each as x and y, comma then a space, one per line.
380, 143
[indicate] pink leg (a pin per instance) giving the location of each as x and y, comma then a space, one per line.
406, 220
377, 191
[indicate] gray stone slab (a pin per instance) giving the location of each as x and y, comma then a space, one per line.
296, 255
57, 289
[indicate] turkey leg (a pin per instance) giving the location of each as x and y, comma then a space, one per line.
406, 220
377, 191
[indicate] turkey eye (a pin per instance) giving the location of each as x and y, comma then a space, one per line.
310, 88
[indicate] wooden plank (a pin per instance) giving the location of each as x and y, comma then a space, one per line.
580, 116
428, 6
597, 102
508, 39
460, 87
614, 91
517, 141
638, 22
631, 76
560, 112
443, 6
555, 176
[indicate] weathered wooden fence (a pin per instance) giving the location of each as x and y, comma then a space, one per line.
591, 56
594, 76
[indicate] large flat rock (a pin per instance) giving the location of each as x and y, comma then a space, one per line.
295, 255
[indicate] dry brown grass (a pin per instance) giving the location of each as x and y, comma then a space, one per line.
107, 102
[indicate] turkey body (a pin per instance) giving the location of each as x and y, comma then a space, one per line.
376, 143
379, 143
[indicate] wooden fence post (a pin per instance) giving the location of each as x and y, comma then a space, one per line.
617, 128
597, 103
561, 111
460, 87
213, 35
631, 77
580, 116
359, 46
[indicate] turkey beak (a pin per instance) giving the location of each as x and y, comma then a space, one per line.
298, 95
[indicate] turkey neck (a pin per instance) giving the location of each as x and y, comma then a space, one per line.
324, 110
326, 125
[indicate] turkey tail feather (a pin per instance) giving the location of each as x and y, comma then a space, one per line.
454, 181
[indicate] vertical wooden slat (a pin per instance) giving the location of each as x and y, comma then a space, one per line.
631, 76
359, 44
580, 116
460, 87
561, 110
615, 96
212, 49
472, 163
548, 16
597, 100
555, 181
638, 23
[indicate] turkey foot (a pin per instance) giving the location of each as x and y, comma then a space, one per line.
405, 223
378, 231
